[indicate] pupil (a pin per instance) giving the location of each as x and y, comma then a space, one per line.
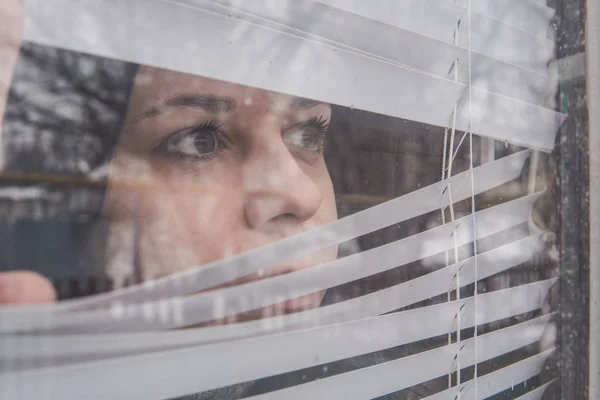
205, 143
309, 139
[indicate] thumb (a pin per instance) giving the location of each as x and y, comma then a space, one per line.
24, 287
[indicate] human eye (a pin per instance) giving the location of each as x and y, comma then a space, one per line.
308, 135
196, 143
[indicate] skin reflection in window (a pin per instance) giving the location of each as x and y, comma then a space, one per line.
206, 169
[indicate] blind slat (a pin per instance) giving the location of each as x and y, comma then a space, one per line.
531, 16
443, 13
143, 376
277, 61
438, 19
506, 378
535, 394
413, 204
497, 381
515, 71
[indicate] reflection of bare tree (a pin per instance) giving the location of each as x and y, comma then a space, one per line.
61, 123
63, 118
63, 111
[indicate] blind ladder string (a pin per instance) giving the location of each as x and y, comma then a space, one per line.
476, 288
447, 173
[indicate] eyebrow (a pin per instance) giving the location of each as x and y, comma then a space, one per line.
208, 102
212, 104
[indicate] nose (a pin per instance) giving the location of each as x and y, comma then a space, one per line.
277, 188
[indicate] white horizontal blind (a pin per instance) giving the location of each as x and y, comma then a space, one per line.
276, 59
477, 66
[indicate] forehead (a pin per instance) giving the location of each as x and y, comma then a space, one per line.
154, 85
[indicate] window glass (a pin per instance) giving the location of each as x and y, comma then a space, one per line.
316, 199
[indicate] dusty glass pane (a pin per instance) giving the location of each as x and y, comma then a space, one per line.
322, 240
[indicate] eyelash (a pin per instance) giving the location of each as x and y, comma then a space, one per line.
211, 126
319, 122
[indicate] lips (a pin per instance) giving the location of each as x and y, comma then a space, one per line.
289, 306
298, 304
303, 303
276, 305
272, 272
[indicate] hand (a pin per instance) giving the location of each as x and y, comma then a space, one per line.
19, 287
24, 287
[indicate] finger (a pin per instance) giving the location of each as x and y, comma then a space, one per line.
11, 30
24, 287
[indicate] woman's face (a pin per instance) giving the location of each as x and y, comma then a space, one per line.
207, 169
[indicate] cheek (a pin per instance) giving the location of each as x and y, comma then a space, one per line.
327, 213
328, 209
189, 219
329, 203
183, 228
